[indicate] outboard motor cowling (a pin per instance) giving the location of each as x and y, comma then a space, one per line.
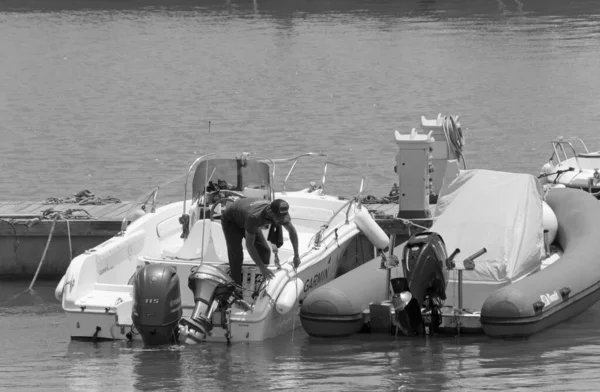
422, 290
157, 304
211, 288
424, 263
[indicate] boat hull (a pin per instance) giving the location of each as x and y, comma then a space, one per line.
562, 290
538, 301
116, 323
336, 309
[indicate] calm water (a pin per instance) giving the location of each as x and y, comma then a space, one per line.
116, 96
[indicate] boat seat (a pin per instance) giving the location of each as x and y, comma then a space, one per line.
168, 227
191, 248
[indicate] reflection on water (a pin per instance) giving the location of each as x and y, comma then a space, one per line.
115, 97
35, 341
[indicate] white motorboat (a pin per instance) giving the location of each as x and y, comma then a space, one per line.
129, 286
572, 168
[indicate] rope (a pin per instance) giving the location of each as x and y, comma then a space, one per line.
410, 223
84, 197
455, 138
392, 197
70, 246
68, 214
296, 288
43, 254
12, 224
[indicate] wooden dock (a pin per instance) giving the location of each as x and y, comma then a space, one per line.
25, 229
23, 234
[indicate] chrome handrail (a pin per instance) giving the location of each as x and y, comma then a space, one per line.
187, 176
145, 199
320, 236
561, 141
295, 160
561, 145
363, 178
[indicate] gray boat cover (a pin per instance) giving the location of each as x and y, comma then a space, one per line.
499, 211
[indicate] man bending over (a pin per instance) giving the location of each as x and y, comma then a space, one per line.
245, 218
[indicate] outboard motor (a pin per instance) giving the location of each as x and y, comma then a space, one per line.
424, 262
423, 289
157, 304
213, 289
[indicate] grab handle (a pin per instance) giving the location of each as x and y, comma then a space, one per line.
469, 262
450, 264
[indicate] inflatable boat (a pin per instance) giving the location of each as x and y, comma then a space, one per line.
531, 264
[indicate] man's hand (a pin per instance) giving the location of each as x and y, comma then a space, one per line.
296, 261
267, 273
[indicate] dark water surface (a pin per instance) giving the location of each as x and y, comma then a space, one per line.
115, 96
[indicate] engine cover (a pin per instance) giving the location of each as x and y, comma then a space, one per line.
157, 304
423, 259
208, 284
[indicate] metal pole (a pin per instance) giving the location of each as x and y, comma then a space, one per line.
460, 287
389, 270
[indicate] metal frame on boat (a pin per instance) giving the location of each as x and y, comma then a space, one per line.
570, 168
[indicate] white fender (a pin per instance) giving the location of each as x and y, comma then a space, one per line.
58, 291
289, 295
549, 222
370, 228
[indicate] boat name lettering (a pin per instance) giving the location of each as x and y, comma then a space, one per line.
317, 279
548, 299
105, 269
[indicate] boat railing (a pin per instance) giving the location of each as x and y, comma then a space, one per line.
327, 230
294, 160
147, 202
559, 147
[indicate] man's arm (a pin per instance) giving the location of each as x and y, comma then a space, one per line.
294, 239
250, 238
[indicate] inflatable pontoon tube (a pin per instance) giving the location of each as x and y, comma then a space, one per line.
336, 309
562, 290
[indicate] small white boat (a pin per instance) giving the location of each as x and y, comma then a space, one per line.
128, 287
571, 167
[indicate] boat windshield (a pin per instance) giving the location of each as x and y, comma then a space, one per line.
232, 174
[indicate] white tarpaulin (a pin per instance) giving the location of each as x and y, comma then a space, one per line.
499, 211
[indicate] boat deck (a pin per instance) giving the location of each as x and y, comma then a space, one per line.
26, 209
